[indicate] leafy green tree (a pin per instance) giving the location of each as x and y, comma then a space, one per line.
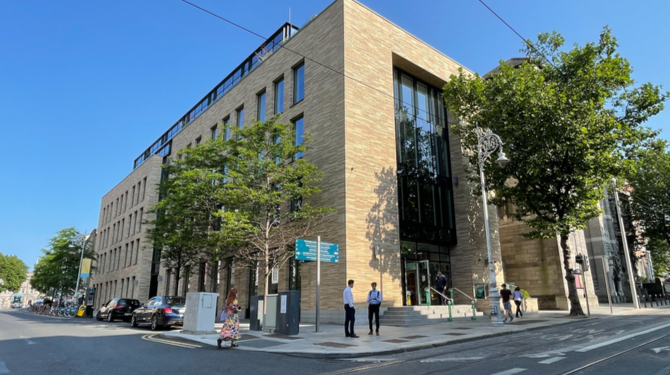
650, 195
12, 272
58, 268
269, 190
568, 127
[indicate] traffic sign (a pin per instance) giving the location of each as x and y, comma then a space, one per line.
306, 250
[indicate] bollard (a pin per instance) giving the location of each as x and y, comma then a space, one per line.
428, 297
451, 294
449, 303
474, 311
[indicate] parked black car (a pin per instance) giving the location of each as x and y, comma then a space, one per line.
160, 311
117, 308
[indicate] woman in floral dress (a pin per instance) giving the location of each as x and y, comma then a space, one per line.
231, 323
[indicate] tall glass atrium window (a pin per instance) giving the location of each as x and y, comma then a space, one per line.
424, 183
299, 126
299, 83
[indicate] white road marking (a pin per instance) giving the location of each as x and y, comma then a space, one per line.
619, 332
542, 355
661, 349
511, 371
551, 360
448, 359
622, 338
3, 368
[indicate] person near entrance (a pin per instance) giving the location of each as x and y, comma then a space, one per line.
374, 300
518, 298
442, 286
349, 310
506, 294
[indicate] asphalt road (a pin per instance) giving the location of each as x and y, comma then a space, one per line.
637, 345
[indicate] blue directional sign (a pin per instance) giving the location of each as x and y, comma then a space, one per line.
306, 250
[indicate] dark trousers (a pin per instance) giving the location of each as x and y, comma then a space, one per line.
518, 308
349, 320
373, 310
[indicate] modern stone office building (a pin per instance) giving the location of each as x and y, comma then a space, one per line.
368, 92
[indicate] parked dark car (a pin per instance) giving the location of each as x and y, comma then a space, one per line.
117, 308
160, 311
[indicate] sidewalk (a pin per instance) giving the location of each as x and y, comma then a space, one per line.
331, 343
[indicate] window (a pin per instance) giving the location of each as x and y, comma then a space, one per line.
261, 107
139, 189
141, 217
215, 131
125, 206
145, 188
240, 118
132, 246
299, 83
125, 260
132, 198
279, 97
137, 251
198, 140
299, 133
226, 127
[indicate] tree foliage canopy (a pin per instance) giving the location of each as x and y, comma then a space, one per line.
58, 268
12, 272
568, 126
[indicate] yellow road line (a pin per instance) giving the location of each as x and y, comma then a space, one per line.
168, 342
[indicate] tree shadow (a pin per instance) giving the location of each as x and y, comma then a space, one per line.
383, 225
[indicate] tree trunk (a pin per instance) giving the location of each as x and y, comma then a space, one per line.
575, 305
265, 294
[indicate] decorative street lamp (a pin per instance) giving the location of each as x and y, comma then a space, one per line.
487, 144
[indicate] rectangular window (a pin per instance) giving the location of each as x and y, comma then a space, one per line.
139, 190
145, 188
132, 247
240, 118
198, 140
137, 251
215, 131
132, 294
261, 107
132, 198
135, 226
123, 228
141, 218
299, 83
125, 259
226, 127
279, 97
299, 133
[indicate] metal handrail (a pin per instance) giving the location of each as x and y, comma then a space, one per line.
438, 292
458, 290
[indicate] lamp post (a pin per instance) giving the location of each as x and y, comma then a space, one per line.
81, 259
487, 144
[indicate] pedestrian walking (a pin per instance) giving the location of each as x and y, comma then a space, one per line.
374, 300
506, 294
442, 286
349, 310
231, 323
518, 297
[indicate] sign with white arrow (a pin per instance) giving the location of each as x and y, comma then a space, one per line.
661, 349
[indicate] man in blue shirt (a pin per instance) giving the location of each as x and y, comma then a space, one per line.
349, 310
374, 300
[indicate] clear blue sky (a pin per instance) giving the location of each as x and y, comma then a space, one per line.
86, 86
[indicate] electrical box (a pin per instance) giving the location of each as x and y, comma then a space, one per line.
200, 313
288, 313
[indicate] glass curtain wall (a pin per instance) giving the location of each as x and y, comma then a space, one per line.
424, 176
425, 199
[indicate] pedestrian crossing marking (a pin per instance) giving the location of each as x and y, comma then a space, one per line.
551, 360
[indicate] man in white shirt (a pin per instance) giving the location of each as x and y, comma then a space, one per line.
350, 317
374, 300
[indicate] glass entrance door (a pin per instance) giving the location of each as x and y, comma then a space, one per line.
417, 281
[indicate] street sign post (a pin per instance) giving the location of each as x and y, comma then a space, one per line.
317, 251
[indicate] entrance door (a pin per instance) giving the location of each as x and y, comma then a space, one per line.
417, 281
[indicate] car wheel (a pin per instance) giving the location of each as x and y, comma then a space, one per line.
154, 323
98, 317
133, 321
110, 317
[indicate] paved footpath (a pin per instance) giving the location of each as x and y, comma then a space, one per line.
330, 342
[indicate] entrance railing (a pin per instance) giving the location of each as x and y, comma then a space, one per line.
472, 301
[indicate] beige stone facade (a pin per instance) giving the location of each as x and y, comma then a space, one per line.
123, 256
349, 55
